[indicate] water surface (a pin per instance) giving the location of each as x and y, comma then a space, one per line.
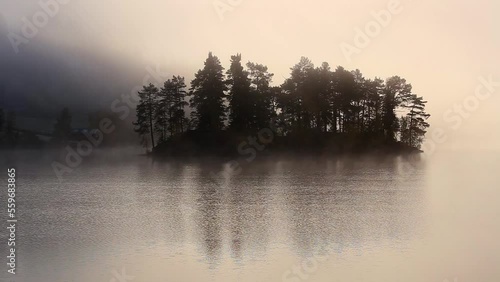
293, 219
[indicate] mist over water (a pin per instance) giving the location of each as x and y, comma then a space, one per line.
122, 216
385, 219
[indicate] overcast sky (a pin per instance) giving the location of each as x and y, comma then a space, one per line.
91, 51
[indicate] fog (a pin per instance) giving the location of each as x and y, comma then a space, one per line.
90, 52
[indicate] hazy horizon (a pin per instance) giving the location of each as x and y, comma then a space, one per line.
441, 48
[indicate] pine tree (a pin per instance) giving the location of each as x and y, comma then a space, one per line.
295, 90
397, 93
170, 115
178, 119
324, 101
416, 122
345, 92
373, 98
241, 104
146, 112
207, 96
262, 95
162, 111
404, 130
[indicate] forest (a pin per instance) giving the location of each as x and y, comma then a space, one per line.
316, 108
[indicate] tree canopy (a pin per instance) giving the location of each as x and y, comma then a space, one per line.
315, 101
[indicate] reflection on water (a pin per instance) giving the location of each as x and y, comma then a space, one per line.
196, 221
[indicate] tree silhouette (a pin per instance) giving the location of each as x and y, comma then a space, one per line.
295, 90
324, 97
241, 103
414, 124
314, 104
170, 115
146, 112
178, 120
372, 107
262, 95
207, 96
346, 97
396, 93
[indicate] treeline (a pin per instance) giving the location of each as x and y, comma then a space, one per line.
8, 134
11, 136
314, 100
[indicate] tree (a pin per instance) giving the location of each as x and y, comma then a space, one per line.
324, 97
207, 96
146, 112
262, 95
404, 130
357, 101
414, 125
170, 115
346, 98
241, 104
396, 93
295, 90
162, 111
372, 110
62, 128
178, 120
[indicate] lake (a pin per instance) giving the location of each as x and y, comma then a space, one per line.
121, 216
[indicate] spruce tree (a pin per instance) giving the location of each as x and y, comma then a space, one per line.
208, 95
241, 104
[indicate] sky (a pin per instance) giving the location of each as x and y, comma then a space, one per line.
87, 53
